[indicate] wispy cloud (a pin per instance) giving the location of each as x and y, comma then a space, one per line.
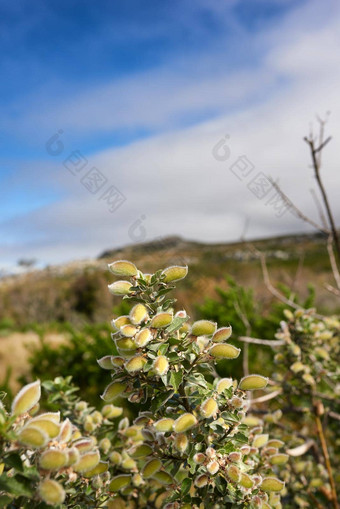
175, 113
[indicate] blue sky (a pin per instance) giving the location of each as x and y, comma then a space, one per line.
132, 84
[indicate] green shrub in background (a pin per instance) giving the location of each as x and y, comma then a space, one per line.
191, 445
239, 306
307, 374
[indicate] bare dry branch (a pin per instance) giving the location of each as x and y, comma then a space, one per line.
334, 415
319, 208
267, 397
295, 209
332, 259
316, 160
333, 290
273, 343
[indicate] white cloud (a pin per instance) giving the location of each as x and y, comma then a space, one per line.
172, 179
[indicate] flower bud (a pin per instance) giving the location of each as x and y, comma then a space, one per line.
72, 456
65, 431
184, 423
123, 268
138, 314
184, 328
297, 366
295, 349
120, 288
209, 408
288, 314
135, 364
236, 402
223, 384
279, 459
245, 450
119, 481
210, 452
234, 473
115, 458
181, 442
224, 351
148, 435
104, 445
137, 480
252, 420
111, 411
51, 492
33, 437
201, 481
126, 345
235, 456
143, 338
161, 365
120, 321
142, 451
53, 459
161, 320
308, 379
81, 406
222, 334
246, 481
26, 398
257, 502
203, 328
164, 425
113, 390
272, 484
253, 382
84, 445
129, 464
97, 483
260, 440
89, 425
274, 442
51, 428
163, 478
213, 467
87, 462
174, 273
128, 331
97, 417
151, 468
199, 458
106, 362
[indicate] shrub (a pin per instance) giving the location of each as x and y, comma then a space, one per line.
307, 375
191, 444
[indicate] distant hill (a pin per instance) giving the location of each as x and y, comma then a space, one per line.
77, 291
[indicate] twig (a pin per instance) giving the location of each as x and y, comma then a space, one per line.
272, 288
297, 211
297, 276
317, 165
318, 411
267, 397
334, 415
319, 207
273, 343
332, 259
331, 289
315, 500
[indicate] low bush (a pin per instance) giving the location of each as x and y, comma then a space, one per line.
191, 444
